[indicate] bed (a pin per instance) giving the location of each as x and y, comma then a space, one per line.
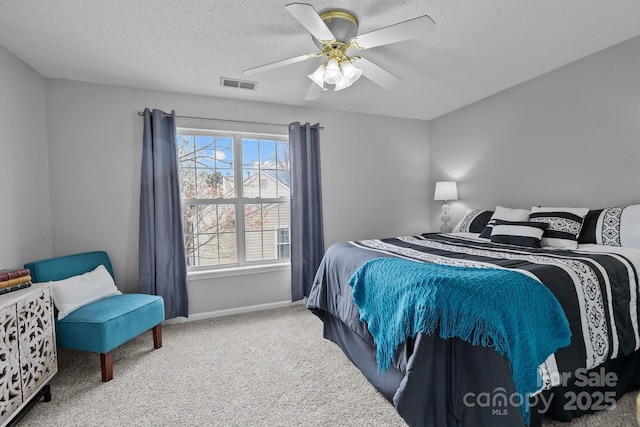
435, 381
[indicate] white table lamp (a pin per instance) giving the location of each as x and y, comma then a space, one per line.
446, 190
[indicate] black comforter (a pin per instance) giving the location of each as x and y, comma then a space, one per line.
441, 382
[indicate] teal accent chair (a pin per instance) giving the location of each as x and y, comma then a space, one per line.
103, 325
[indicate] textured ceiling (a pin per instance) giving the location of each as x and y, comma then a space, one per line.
479, 47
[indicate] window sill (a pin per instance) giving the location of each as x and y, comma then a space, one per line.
236, 271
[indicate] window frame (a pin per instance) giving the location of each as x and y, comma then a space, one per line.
239, 202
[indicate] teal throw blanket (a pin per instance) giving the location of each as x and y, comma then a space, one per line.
504, 309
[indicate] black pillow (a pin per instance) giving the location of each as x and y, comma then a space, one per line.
474, 221
588, 231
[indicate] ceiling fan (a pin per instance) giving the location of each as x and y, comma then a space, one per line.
335, 32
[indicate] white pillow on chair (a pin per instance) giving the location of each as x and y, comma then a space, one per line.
72, 293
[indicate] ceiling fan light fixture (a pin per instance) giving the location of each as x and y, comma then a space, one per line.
342, 85
351, 75
356, 76
318, 76
332, 73
348, 69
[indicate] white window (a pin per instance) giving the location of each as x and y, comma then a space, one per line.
283, 243
235, 197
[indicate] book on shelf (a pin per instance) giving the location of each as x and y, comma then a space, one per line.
15, 281
14, 287
12, 273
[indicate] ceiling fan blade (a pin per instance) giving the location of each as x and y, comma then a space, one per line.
378, 75
309, 18
277, 64
420, 26
314, 92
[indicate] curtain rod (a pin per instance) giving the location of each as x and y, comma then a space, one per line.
141, 113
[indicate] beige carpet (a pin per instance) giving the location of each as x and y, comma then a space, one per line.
270, 368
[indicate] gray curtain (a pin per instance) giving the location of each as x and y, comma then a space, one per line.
307, 233
162, 258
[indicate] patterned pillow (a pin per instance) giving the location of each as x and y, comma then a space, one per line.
474, 221
589, 226
505, 214
565, 225
519, 233
619, 226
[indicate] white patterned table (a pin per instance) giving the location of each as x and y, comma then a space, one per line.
28, 358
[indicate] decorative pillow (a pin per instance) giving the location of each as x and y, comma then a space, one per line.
474, 221
505, 214
519, 233
619, 226
565, 225
77, 291
589, 226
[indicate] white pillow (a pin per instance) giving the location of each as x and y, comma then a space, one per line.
617, 226
508, 214
505, 214
77, 291
630, 226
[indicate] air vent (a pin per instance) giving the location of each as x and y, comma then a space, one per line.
240, 84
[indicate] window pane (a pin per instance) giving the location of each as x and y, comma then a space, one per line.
210, 234
186, 158
253, 217
282, 172
189, 220
206, 166
250, 168
284, 214
254, 246
207, 219
226, 218
251, 184
283, 251
266, 231
267, 153
266, 168
283, 235
186, 150
216, 249
283, 244
250, 153
208, 249
227, 248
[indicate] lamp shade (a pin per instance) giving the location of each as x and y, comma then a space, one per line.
351, 74
332, 72
446, 190
318, 76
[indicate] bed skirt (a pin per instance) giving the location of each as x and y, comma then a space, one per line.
453, 383
448, 382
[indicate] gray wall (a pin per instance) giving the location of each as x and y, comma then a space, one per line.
71, 154
570, 137
375, 182
25, 212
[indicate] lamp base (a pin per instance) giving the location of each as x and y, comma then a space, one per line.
445, 228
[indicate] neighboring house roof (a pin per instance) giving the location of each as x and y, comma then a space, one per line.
253, 181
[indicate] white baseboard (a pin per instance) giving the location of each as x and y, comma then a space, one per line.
230, 311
